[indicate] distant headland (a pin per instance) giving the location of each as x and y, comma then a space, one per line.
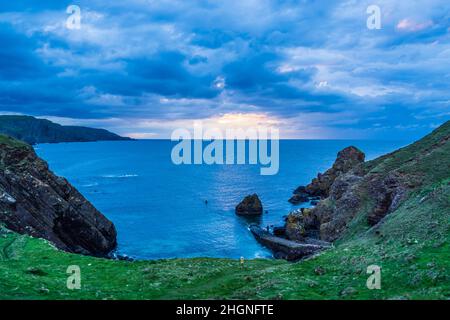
33, 130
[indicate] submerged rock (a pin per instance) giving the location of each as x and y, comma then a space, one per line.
250, 206
36, 202
299, 190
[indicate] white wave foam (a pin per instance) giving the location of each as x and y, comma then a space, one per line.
119, 176
90, 185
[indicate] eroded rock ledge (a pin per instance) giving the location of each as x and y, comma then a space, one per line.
36, 202
348, 189
287, 249
351, 187
347, 159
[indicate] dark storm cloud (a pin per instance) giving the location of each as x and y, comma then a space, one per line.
200, 59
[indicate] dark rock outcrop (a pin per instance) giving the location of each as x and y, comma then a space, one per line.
34, 201
299, 198
347, 159
356, 197
300, 195
250, 206
33, 130
286, 249
300, 225
345, 190
339, 195
279, 231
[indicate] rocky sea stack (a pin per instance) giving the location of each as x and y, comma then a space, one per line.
347, 159
250, 206
344, 189
356, 195
36, 202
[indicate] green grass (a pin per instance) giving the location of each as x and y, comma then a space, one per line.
414, 265
6, 140
411, 245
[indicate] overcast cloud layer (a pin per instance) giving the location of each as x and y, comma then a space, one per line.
313, 68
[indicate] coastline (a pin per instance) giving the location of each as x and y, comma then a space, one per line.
32, 268
86, 165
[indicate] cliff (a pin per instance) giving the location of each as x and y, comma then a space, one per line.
361, 194
36, 202
33, 130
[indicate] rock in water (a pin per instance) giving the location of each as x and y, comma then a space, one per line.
36, 202
299, 198
300, 195
250, 206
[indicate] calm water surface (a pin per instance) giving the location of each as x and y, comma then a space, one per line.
159, 208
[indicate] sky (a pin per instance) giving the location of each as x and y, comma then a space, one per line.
313, 69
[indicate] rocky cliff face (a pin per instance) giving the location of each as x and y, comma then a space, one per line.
347, 159
345, 195
34, 201
368, 191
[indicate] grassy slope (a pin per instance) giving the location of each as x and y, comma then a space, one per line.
12, 142
412, 246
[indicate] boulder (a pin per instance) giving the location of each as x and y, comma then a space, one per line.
250, 206
388, 192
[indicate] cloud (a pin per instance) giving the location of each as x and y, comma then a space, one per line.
412, 26
175, 61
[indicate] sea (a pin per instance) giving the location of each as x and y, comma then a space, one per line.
162, 210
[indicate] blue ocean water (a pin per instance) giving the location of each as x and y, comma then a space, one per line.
159, 208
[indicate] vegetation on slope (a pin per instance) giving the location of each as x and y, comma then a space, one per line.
411, 245
12, 142
414, 265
